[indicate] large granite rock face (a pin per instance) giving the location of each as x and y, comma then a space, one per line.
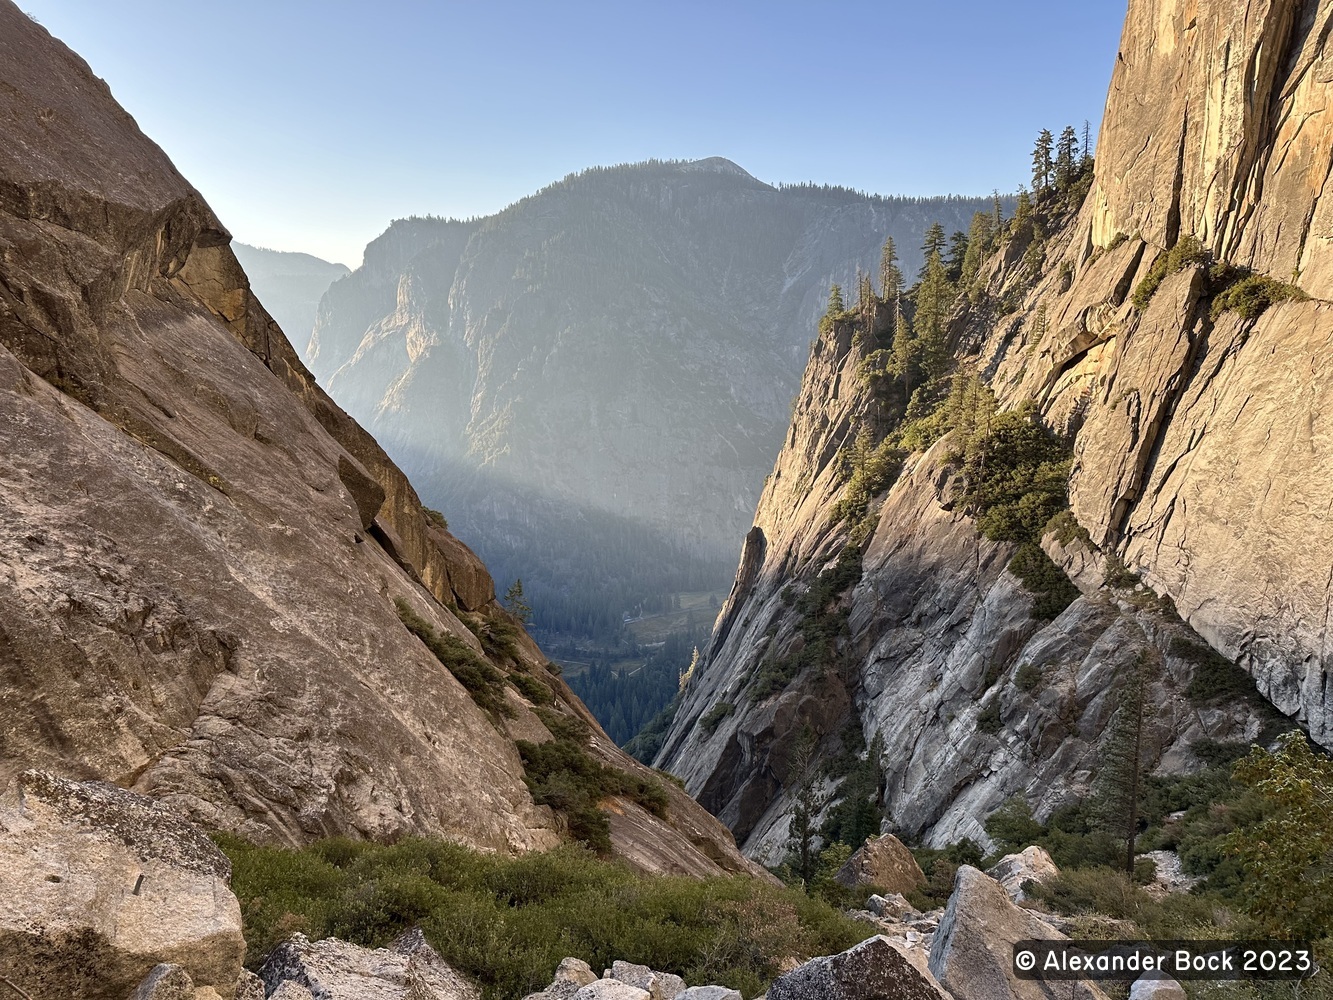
1217, 125
98, 886
875, 969
1200, 461
200, 553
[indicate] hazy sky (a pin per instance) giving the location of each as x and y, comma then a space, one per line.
309, 125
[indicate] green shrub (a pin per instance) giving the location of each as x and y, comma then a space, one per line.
435, 518
1017, 477
531, 688
714, 716
1215, 677
562, 774
483, 682
1029, 677
1251, 295
1051, 589
1187, 252
820, 626
506, 923
1066, 528
1012, 826
989, 720
1118, 576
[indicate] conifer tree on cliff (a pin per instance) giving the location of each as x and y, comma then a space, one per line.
1066, 158
1041, 161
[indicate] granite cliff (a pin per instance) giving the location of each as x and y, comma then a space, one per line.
214, 584
1132, 322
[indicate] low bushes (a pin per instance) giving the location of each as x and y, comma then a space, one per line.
562, 774
506, 923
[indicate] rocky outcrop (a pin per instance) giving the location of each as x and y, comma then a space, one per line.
1217, 126
872, 969
973, 952
201, 555
1198, 460
331, 969
881, 864
100, 886
624, 981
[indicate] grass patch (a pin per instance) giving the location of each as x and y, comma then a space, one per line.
483, 682
506, 923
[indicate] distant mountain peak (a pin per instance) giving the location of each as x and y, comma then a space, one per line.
719, 165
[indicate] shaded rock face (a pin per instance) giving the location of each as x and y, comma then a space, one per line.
98, 886
200, 553
972, 954
1200, 458
882, 864
874, 969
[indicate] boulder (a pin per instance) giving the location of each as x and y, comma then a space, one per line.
1157, 989
659, 985
883, 864
575, 970
872, 970
409, 969
291, 991
165, 982
102, 889
249, 986
894, 906
611, 989
1032, 864
708, 993
972, 953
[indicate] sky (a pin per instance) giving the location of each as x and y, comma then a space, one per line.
311, 125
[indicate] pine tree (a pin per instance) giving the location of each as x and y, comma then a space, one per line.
906, 361
1041, 161
980, 242
809, 803
1125, 757
934, 244
835, 303
516, 605
1086, 159
890, 276
953, 264
1066, 153
934, 295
